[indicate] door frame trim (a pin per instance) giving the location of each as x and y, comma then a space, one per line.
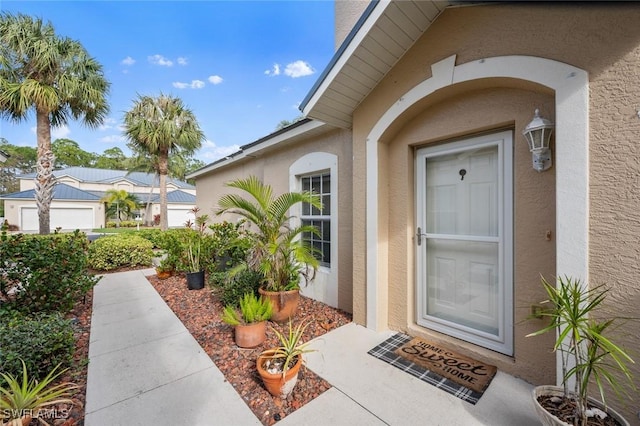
504, 140
571, 86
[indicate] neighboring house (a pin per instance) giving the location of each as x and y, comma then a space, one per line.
442, 226
76, 199
3, 156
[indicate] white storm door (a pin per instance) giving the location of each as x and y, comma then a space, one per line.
464, 240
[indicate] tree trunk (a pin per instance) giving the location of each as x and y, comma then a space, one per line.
163, 163
148, 212
44, 172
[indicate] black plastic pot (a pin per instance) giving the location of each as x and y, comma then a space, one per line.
195, 280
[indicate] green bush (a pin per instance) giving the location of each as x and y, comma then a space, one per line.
111, 224
156, 236
44, 273
120, 250
245, 281
42, 341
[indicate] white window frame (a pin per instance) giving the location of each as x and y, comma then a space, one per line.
326, 216
311, 164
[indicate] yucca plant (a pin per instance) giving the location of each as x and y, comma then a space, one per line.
28, 396
291, 346
588, 355
252, 309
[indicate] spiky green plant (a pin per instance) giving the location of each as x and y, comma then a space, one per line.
587, 354
291, 346
29, 395
252, 308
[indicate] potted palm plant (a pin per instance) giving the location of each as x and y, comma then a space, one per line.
25, 398
279, 367
251, 323
588, 355
277, 250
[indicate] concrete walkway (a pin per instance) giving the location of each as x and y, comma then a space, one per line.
145, 368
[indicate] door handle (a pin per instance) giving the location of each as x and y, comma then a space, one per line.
419, 236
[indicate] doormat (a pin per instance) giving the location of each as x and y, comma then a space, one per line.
458, 375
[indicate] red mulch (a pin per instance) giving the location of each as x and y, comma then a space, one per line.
199, 311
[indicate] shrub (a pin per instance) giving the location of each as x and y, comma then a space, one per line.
245, 281
229, 245
111, 224
120, 250
156, 236
44, 273
42, 341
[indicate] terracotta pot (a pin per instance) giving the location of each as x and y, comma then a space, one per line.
251, 335
285, 303
276, 384
163, 275
549, 419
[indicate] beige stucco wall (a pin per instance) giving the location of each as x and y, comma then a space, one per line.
346, 14
601, 39
272, 167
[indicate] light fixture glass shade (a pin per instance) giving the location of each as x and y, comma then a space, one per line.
538, 135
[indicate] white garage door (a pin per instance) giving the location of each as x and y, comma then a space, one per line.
63, 217
176, 218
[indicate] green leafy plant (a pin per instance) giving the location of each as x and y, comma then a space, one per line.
44, 273
120, 250
41, 341
276, 250
252, 309
588, 355
28, 396
291, 347
234, 287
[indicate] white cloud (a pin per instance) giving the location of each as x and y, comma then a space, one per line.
182, 61
160, 60
59, 132
107, 124
128, 61
212, 152
274, 71
112, 139
215, 79
195, 84
298, 69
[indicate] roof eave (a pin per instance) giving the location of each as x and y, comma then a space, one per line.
290, 134
318, 103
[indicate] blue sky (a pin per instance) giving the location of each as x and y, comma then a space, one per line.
240, 66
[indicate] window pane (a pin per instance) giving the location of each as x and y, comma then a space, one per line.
306, 210
326, 184
326, 204
326, 253
306, 184
326, 231
315, 184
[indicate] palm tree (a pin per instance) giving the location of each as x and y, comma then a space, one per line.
56, 77
277, 250
161, 126
121, 203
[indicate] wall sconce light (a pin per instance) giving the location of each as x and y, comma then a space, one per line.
538, 134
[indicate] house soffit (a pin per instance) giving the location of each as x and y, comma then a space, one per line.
386, 30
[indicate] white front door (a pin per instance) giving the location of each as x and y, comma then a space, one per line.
464, 240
